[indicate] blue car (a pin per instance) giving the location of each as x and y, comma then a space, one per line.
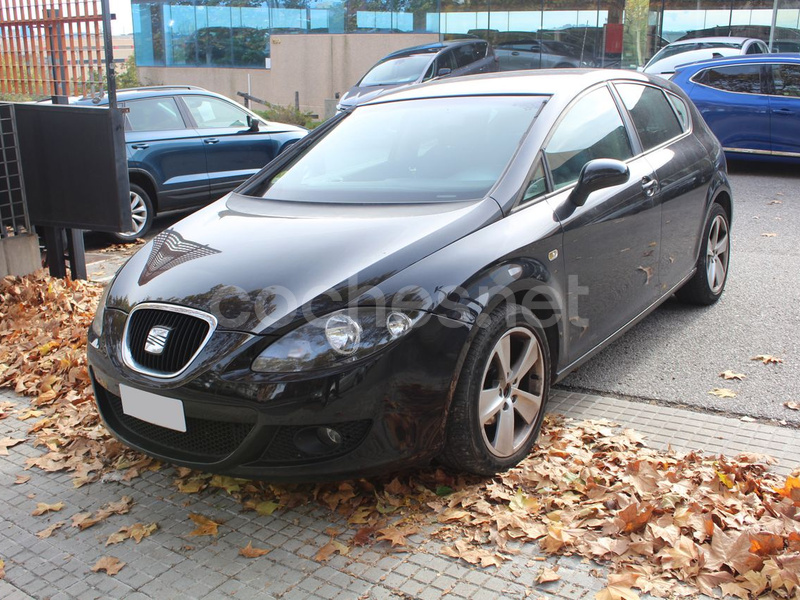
187, 146
751, 103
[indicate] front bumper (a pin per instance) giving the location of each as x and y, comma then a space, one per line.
388, 412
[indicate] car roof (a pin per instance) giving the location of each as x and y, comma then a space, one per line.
125, 94
716, 39
547, 82
784, 57
432, 48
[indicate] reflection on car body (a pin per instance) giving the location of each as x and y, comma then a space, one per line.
408, 281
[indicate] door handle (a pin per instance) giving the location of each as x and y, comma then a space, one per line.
515, 53
210, 141
650, 186
783, 111
140, 146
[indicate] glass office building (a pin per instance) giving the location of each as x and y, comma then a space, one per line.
623, 33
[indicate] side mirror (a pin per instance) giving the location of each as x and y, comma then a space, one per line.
443, 71
596, 175
252, 124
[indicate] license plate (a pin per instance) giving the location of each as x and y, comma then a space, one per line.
155, 409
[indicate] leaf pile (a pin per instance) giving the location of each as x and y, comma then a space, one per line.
43, 327
667, 523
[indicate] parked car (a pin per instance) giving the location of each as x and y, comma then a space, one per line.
692, 50
536, 54
407, 282
784, 39
751, 103
187, 146
421, 63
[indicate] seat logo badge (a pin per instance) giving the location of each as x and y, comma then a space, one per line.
157, 340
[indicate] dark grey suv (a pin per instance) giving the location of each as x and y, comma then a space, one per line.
422, 63
187, 146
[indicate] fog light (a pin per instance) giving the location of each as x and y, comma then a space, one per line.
343, 334
397, 323
329, 437
317, 441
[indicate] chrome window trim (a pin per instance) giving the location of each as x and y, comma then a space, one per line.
128, 359
763, 152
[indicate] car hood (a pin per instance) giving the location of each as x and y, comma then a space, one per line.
257, 264
358, 95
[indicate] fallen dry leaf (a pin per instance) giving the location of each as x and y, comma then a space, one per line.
46, 533
547, 575
768, 359
396, 535
331, 548
2, 569
206, 526
250, 552
733, 375
109, 564
616, 592
723, 393
769, 235
792, 405
43, 508
22, 479
7, 443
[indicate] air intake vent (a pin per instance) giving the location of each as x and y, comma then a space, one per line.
162, 340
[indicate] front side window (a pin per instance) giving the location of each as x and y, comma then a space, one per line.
786, 80
592, 128
744, 79
431, 150
465, 55
154, 114
652, 115
537, 184
209, 112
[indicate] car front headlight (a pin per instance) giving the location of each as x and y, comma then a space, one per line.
97, 322
336, 339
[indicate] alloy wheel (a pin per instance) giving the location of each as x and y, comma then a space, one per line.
138, 215
717, 250
512, 392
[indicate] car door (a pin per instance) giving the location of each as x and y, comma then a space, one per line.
784, 109
159, 143
733, 102
682, 167
610, 244
234, 151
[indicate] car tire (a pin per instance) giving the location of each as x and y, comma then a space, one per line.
707, 284
497, 411
141, 215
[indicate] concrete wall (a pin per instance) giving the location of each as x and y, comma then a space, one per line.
19, 255
317, 66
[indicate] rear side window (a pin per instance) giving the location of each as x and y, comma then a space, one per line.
681, 110
592, 128
744, 79
465, 55
653, 116
786, 80
154, 114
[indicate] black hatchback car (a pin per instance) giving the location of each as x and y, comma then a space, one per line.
187, 146
408, 281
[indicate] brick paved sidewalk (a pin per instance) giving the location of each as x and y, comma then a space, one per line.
170, 564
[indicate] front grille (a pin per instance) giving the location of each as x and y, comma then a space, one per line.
204, 440
188, 330
284, 449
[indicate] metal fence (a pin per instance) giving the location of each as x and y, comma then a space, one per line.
13, 209
50, 47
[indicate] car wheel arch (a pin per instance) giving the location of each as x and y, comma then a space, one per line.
144, 181
544, 308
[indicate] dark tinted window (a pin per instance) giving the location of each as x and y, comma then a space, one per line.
745, 79
592, 128
446, 61
653, 117
755, 49
154, 114
465, 55
786, 80
537, 185
681, 110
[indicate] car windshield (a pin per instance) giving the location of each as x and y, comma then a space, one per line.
681, 48
431, 150
405, 69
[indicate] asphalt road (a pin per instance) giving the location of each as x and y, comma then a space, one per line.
676, 354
